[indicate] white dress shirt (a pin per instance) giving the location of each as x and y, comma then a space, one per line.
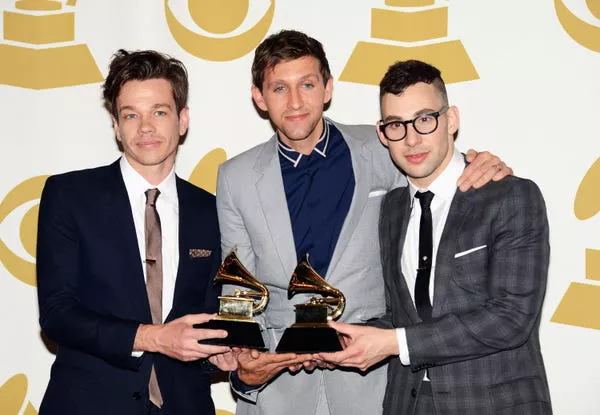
443, 188
167, 206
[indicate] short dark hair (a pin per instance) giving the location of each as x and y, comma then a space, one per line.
403, 74
142, 65
283, 46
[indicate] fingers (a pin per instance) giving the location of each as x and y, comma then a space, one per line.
198, 318
483, 167
204, 334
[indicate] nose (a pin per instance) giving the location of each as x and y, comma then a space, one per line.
146, 125
295, 100
413, 138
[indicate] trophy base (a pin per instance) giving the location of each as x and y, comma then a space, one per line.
314, 339
239, 334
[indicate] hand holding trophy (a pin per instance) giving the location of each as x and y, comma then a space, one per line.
236, 310
311, 333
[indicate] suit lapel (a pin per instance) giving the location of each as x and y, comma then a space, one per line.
399, 226
458, 213
119, 209
361, 166
269, 187
186, 217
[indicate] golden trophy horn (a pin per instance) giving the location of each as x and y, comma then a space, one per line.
311, 333
236, 310
233, 272
306, 280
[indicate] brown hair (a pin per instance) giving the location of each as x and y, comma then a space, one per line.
142, 65
283, 46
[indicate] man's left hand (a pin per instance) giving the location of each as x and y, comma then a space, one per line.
483, 167
224, 361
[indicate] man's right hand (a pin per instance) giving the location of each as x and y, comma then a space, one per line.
256, 368
179, 339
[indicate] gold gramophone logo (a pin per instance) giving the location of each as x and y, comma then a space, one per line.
582, 32
409, 29
218, 18
13, 394
581, 304
26, 196
39, 49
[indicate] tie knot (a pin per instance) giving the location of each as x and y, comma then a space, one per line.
425, 198
151, 196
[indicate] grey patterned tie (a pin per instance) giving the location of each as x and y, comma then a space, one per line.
154, 277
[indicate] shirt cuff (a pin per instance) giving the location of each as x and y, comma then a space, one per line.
138, 353
403, 346
238, 385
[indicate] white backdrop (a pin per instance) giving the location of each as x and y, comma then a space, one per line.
534, 102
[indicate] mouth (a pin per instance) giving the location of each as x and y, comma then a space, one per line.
417, 158
296, 117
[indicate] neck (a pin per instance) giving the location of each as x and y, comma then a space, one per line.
154, 175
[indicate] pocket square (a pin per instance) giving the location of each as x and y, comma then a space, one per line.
199, 253
376, 193
468, 251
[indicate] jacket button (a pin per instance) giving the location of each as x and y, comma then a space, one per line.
413, 392
136, 396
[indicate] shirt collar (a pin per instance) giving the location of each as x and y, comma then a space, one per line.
444, 186
137, 185
320, 148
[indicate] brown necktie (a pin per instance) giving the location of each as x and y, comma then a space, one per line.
154, 277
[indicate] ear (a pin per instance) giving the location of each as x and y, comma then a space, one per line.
382, 138
258, 98
328, 90
184, 120
453, 120
116, 128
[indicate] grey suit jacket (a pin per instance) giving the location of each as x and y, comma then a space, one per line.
254, 218
482, 349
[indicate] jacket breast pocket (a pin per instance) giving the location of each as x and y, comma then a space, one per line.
471, 270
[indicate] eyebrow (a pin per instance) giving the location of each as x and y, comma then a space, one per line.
155, 106
417, 114
303, 78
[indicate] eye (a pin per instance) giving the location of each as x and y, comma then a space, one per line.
279, 88
308, 85
425, 119
160, 113
394, 125
129, 116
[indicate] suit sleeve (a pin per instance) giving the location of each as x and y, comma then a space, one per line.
516, 282
63, 317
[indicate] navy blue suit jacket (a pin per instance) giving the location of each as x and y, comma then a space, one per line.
92, 296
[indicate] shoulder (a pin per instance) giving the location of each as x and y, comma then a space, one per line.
248, 158
512, 191
81, 180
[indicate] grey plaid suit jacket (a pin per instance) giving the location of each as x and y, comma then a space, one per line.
482, 349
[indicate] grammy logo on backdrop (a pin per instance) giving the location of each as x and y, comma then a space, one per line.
581, 304
417, 30
218, 17
39, 49
586, 34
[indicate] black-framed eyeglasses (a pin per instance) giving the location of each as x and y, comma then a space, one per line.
397, 130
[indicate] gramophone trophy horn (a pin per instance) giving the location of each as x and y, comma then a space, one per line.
310, 333
236, 310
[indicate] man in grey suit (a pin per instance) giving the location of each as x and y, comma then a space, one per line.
315, 187
465, 273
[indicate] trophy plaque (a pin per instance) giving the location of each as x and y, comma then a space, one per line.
236, 310
310, 333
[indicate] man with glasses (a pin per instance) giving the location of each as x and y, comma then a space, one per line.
464, 296
314, 187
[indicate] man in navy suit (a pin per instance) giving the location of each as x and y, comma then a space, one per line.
465, 273
125, 259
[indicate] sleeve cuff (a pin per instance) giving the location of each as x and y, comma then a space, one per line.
403, 346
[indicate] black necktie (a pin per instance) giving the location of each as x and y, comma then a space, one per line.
425, 257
